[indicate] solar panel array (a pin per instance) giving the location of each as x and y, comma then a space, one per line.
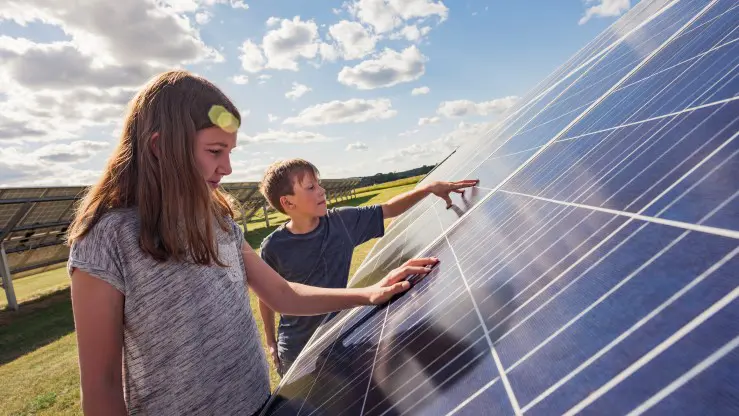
34, 221
595, 267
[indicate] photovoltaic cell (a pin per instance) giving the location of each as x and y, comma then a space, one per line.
595, 270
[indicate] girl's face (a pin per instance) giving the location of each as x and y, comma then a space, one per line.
213, 154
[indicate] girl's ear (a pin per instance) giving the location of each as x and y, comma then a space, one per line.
155, 144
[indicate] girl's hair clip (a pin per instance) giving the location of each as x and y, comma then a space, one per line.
223, 118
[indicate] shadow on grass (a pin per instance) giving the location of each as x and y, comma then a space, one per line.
36, 324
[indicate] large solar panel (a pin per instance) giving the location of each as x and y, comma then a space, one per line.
595, 268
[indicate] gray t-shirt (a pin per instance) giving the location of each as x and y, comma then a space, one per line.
190, 342
321, 258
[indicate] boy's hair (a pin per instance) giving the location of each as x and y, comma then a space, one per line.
174, 104
280, 177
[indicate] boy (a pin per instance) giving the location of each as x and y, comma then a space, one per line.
315, 246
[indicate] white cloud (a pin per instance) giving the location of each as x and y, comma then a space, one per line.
353, 39
240, 79
386, 15
62, 66
50, 165
78, 151
297, 91
414, 151
408, 133
604, 8
421, 90
182, 5
428, 120
441, 147
135, 32
272, 118
239, 4
350, 111
251, 57
46, 115
411, 33
203, 17
282, 136
263, 78
328, 52
388, 69
461, 108
359, 146
273, 21
292, 40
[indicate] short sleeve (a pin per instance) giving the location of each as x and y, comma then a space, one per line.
264, 253
238, 232
363, 223
98, 253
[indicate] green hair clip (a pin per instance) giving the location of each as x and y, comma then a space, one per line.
223, 118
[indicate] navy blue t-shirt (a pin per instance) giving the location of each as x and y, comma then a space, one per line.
321, 258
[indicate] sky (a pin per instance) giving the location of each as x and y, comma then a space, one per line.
357, 87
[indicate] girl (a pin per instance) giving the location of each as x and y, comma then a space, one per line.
160, 272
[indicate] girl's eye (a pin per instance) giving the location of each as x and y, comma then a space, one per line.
215, 152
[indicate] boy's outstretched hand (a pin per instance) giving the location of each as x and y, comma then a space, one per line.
395, 282
443, 189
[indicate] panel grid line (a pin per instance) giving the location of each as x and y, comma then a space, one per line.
689, 375
493, 352
597, 262
655, 118
473, 396
374, 360
598, 301
656, 351
723, 232
643, 321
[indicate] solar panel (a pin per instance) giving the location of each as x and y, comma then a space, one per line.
594, 271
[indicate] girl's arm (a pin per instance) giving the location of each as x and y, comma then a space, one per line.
296, 299
98, 319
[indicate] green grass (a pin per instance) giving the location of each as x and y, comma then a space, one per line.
36, 286
400, 182
38, 348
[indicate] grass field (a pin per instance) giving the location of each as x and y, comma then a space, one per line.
38, 350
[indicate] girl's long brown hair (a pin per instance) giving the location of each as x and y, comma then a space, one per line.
177, 209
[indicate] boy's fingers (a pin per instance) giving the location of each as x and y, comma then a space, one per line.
422, 261
448, 201
464, 184
467, 183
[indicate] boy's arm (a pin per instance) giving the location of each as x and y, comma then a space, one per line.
403, 202
268, 317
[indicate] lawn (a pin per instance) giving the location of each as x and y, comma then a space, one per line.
38, 350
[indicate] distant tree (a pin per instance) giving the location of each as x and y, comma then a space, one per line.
394, 176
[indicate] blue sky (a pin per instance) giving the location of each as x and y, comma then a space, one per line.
357, 87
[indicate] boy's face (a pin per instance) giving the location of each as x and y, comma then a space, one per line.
308, 199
